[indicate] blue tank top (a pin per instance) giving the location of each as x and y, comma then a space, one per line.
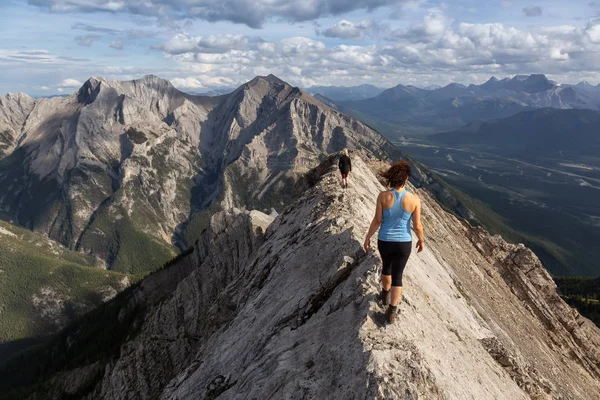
395, 226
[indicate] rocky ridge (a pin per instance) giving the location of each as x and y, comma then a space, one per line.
290, 312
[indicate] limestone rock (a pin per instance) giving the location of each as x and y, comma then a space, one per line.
14, 110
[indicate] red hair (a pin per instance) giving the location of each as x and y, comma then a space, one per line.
397, 175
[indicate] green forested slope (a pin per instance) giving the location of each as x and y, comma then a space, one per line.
43, 286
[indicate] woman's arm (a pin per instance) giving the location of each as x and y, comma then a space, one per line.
418, 227
375, 223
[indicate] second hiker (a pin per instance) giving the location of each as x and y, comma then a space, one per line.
345, 167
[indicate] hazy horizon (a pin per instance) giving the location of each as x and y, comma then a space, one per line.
74, 89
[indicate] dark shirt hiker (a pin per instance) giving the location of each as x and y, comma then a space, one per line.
345, 165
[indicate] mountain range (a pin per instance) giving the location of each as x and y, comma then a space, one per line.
408, 109
545, 132
342, 93
119, 166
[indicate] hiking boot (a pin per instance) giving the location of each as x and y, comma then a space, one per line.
391, 313
383, 297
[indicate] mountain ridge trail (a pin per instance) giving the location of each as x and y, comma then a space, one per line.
293, 313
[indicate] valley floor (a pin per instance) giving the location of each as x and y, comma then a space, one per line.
552, 205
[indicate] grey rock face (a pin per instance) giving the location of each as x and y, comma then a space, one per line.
292, 313
113, 151
264, 135
14, 109
120, 166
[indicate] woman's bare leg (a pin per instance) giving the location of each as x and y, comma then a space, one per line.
386, 282
396, 294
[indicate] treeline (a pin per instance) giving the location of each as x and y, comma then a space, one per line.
578, 286
97, 336
583, 293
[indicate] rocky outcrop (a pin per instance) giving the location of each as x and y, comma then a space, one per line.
291, 313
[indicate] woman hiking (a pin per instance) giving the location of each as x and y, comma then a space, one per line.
345, 167
395, 208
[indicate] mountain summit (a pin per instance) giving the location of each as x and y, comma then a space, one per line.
285, 308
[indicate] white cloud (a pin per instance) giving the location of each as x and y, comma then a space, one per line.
433, 50
252, 13
187, 83
433, 27
347, 30
432, 46
592, 30
202, 82
116, 44
86, 40
91, 28
183, 43
413, 5
42, 57
70, 83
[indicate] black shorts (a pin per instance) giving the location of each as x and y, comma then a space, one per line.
394, 256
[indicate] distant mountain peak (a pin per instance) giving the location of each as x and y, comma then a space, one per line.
150, 77
88, 92
530, 78
584, 84
271, 79
17, 96
455, 85
154, 81
275, 78
537, 77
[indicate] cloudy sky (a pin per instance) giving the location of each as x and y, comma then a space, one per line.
52, 46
